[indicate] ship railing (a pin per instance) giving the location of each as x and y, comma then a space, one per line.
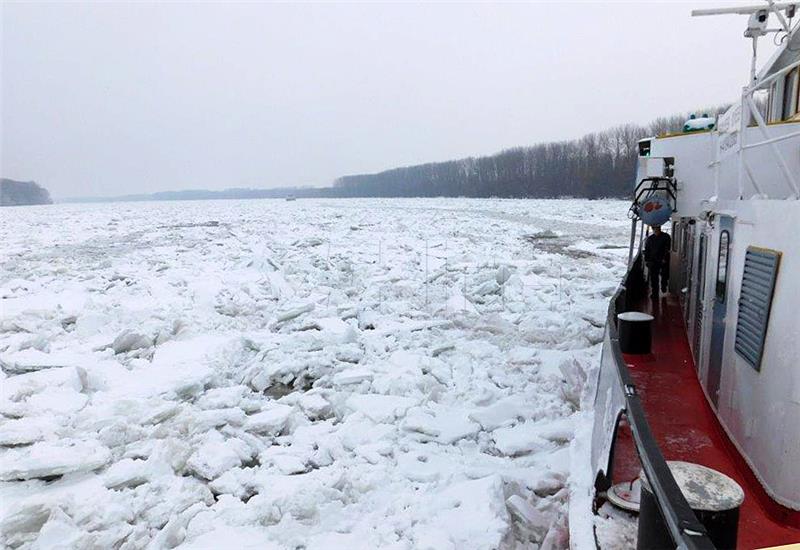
732, 127
685, 529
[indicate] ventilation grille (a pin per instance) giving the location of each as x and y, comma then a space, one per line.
758, 284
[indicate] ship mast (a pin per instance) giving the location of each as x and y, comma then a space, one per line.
734, 122
757, 24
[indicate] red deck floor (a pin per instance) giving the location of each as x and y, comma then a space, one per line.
686, 428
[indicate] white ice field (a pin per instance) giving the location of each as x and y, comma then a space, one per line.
315, 374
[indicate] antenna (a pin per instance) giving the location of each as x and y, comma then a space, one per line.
745, 10
759, 14
757, 23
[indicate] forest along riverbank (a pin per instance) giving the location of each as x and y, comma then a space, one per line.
362, 373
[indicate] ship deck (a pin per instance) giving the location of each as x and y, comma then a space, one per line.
687, 429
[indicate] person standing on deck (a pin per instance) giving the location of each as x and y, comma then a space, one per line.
656, 256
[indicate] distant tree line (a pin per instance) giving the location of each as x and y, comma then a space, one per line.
19, 193
600, 164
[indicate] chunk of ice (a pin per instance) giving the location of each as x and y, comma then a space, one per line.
46, 459
501, 413
352, 376
446, 425
126, 473
289, 314
531, 436
24, 431
380, 408
525, 512
271, 421
217, 455
129, 340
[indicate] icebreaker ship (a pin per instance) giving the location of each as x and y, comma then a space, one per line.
696, 405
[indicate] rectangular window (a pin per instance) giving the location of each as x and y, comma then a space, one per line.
796, 115
790, 89
758, 285
722, 266
771, 102
674, 234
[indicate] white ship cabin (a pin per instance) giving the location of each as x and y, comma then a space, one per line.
783, 104
736, 261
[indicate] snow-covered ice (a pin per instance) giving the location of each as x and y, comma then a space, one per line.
318, 373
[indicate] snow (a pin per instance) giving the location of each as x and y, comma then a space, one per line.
263, 374
699, 123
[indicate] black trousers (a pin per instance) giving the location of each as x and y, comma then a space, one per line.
658, 273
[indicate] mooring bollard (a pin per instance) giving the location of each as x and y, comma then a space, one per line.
635, 332
714, 497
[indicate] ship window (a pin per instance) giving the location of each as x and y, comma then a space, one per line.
771, 102
674, 234
790, 90
722, 265
758, 285
685, 243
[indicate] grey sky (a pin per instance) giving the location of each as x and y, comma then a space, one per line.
110, 98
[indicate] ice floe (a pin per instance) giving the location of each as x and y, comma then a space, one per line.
317, 374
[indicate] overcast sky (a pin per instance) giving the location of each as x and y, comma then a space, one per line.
117, 98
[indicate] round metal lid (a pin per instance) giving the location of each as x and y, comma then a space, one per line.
634, 316
705, 489
625, 495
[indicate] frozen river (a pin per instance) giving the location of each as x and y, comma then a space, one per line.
315, 374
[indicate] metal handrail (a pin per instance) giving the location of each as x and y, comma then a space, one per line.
685, 529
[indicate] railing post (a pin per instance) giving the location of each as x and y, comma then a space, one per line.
762, 126
745, 115
634, 221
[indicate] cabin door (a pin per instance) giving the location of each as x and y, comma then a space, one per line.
698, 301
720, 307
687, 249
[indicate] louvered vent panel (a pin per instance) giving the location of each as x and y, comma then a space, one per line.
758, 284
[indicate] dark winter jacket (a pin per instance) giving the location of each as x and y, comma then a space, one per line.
656, 248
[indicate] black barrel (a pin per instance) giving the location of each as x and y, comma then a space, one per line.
714, 497
635, 332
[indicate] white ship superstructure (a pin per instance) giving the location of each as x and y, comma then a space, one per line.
721, 386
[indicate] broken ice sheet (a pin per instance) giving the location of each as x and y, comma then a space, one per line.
23, 431
282, 380
48, 459
270, 421
532, 436
443, 425
380, 408
216, 455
